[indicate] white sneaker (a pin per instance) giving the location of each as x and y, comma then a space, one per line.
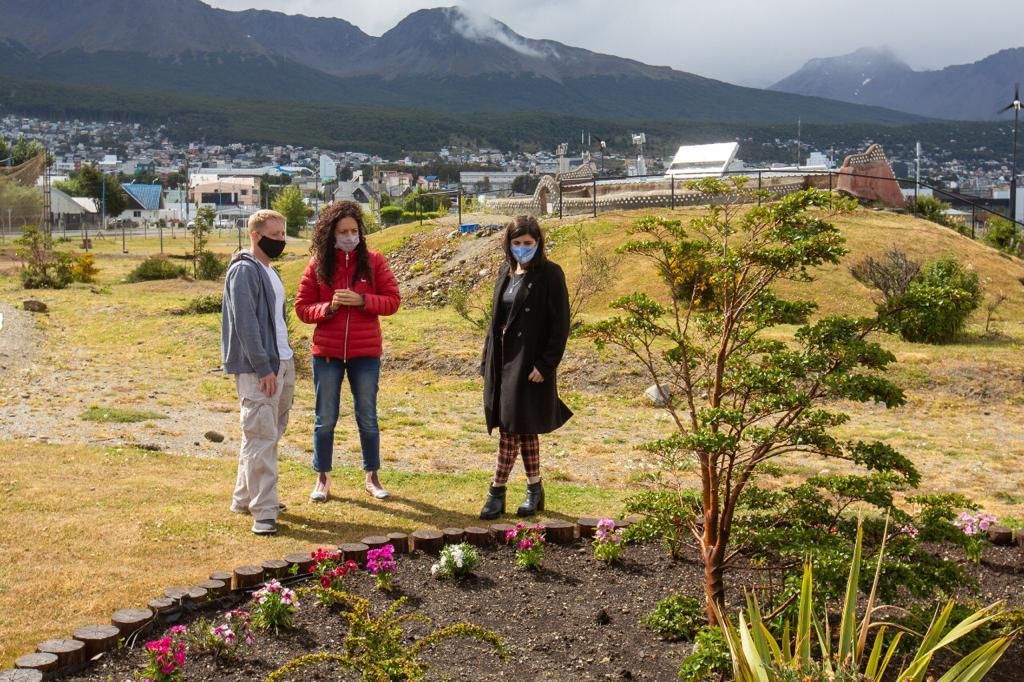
320, 491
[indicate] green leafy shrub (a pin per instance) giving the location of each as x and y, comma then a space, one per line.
1002, 234
709, 659
154, 268
391, 215
209, 266
666, 515
201, 305
931, 209
936, 304
677, 617
42, 267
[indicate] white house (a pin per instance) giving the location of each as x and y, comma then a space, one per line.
144, 203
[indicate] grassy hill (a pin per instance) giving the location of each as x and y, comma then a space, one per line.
866, 232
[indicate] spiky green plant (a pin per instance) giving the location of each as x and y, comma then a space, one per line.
757, 656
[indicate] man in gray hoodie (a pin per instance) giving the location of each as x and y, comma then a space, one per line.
254, 347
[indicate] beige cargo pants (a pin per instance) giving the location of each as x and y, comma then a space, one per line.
263, 420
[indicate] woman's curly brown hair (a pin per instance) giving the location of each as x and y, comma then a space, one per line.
323, 249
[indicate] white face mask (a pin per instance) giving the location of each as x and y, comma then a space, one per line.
346, 242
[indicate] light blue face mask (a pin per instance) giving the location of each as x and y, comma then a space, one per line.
524, 254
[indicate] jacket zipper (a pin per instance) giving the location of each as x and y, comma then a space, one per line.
348, 318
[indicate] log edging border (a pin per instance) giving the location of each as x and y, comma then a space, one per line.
221, 586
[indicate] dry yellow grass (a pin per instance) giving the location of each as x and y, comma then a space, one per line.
85, 530
90, 529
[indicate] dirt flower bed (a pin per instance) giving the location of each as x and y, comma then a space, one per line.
574, 618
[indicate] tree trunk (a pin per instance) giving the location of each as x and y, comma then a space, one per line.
714, 585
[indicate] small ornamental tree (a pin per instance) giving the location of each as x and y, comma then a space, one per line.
292, 206
737, 398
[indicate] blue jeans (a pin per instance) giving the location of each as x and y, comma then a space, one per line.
363, 378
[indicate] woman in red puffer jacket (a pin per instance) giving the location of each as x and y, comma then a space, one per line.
344, 291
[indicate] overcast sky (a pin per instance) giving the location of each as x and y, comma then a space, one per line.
750, 42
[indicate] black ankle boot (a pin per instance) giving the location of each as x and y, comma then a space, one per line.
534, 501
494, 506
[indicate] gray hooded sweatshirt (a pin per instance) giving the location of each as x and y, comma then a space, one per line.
248, 343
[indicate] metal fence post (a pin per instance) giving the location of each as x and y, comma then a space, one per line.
672, 180
460, 205
594, 191
559, 199
758, 188
974, 218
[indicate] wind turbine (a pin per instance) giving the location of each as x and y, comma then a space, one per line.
1015, 105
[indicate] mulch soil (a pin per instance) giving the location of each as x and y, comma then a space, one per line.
575, 619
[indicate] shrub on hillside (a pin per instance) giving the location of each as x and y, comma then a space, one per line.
891, 274
209, 266
156, 267
936, 304
201, 305
1002, 234
391, 215
931, 209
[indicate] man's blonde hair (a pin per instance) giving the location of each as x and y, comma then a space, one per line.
260, 218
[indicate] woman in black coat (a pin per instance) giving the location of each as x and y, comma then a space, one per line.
525, 342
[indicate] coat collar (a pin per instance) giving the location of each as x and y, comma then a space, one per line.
529, 279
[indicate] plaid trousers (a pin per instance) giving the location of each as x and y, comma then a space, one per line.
510, 445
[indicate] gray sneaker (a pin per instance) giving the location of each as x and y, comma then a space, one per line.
264, 527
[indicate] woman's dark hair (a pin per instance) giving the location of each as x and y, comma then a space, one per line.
524, 225
323, 248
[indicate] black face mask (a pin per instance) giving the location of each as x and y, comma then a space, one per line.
272, 247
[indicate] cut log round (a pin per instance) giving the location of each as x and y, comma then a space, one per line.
275, 568
214, 588
624, 523
355, 551
176, 594
303, 561
129, 621
161, 606
559, 532
500, 530
376, 541
1019, 536
400, 541
587, 527
97, 638
1000, 535
44, 663
223, 576
70, 653
479, 537
245, 577
21, 675
199, 596
427, 540
453, 536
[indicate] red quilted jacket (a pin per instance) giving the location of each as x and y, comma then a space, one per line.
350, 332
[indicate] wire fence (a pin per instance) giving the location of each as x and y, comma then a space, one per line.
582, 196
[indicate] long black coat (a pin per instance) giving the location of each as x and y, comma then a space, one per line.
534, 335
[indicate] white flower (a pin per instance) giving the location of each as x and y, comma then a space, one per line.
434, 569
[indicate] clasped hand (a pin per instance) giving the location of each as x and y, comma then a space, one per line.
343, 297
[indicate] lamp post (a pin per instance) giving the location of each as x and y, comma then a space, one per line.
1015, 105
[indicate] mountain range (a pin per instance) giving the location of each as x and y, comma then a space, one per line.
442, 59
877, 77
